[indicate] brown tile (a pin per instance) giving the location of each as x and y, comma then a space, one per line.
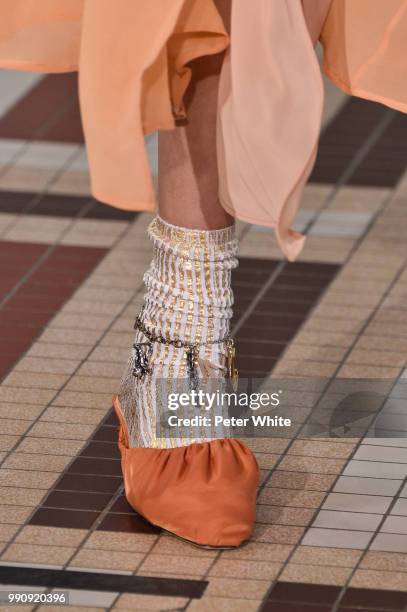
317, 466
77, 519
132, 601
373, 598
55, 536
37, 380
300, 592
73, 415
183, 565
244, 569
7, 532
65, 352
36, 396
20, 411
301, 480
107, 559
316, 574
291, 497
266, 445
76, 399
221, 604
266, 460
79, 501
257, 551
21, 496
326, 449
13, 316
14, 426
105, 450
46, 365
173, 574
129, 523
375, 579
30, 114
95, 484
168, 545
14, 515
8, 442
93, 384
279, 515
382, 358
28, 300
116, 541
235, 589
365, 371
27, 479
32, 444
384, 561
280, 606
335, 557
43, 463
67, 431
50, 555
100, 467
277, 534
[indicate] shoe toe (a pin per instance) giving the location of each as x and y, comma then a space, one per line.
205, 492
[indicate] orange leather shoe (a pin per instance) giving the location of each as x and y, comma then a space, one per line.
204, 493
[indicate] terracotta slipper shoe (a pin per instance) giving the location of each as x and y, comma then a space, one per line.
204, 493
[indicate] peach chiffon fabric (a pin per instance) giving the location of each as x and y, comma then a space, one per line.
132, 58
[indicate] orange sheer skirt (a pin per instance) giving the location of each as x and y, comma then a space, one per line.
132, 57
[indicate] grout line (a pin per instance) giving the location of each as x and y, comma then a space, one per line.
126, 305
51, 248
242, 323
363, 151
257, 298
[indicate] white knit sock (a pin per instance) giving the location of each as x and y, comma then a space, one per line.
188, 299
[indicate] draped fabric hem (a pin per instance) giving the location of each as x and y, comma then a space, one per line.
122, 203
363, 93
26, 66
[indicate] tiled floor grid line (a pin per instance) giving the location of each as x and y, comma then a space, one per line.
330, 533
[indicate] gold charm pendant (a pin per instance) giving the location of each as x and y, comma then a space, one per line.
142, 352
231, 354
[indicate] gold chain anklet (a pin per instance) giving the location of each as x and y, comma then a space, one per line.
144, 350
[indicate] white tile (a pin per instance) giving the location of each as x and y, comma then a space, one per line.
320, 229
6, 221
382, 453
334, 217
357, 503
367, 486
358, 521
38, 565
390, 542
400, 442
376, 469
79, 161
395, 524
152, 152
400, 507
47, 155
10, 149
94, 599
337, 538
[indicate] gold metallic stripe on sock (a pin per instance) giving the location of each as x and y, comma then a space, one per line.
188, 297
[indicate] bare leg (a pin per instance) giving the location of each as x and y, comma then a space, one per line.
188, 173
